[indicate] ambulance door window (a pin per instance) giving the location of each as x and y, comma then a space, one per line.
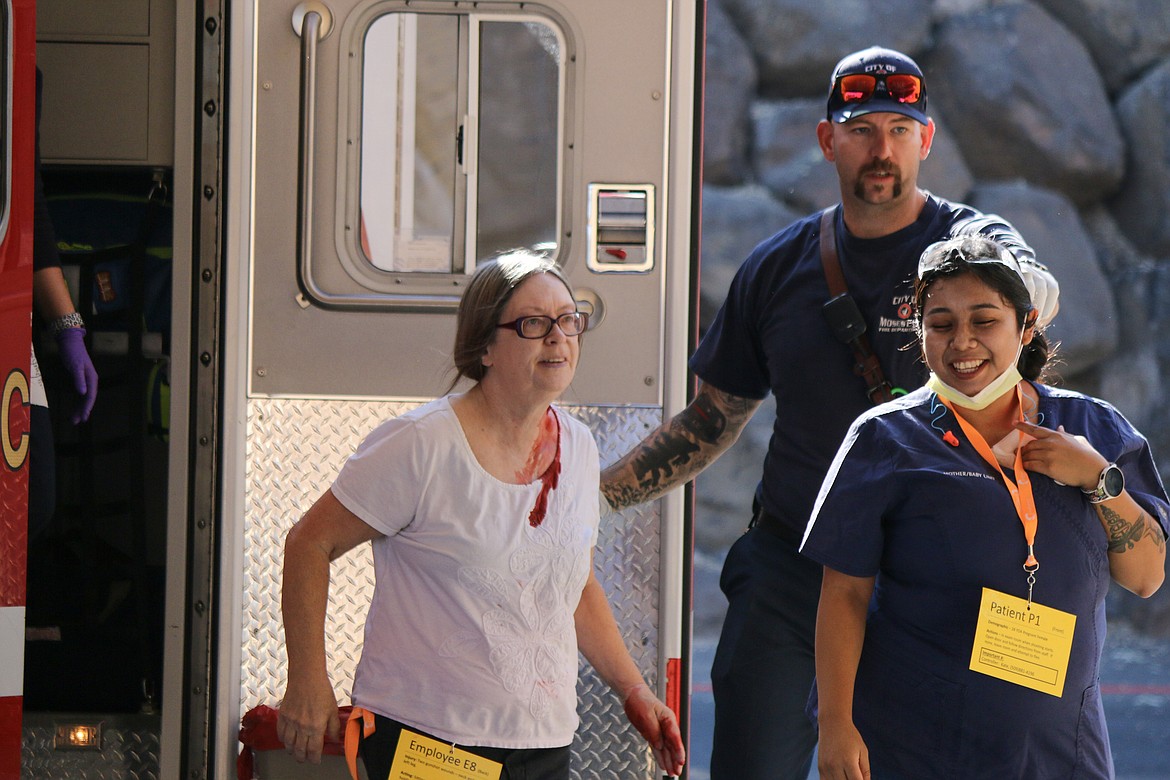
518, 140
410, 125
460, 133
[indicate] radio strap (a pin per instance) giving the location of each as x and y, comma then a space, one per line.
866, 364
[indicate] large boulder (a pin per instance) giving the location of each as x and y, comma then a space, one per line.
788, 159
1131, 379
729, 65
1142, 205
1025, 101
945, 172
735, 219
1087, 326
797, 42
1124, 36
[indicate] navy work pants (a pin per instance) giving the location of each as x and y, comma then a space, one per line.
764, 666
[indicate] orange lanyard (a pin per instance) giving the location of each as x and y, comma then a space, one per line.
359, 726
1021, 490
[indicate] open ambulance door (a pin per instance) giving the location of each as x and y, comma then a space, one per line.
377, 151
16, 186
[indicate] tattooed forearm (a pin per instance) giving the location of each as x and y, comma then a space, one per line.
1123, 535
650, 469
657, 459
702, 419
678, 450
736, 410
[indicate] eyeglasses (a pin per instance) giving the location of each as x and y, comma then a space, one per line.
537, 326
859, 87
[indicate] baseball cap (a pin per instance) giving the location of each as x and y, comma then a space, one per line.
877, 80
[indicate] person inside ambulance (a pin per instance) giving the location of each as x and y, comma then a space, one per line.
482, 507
54, 306
969, 532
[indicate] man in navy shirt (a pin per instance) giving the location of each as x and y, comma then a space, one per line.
771, 335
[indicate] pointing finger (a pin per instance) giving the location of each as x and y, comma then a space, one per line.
1032, 429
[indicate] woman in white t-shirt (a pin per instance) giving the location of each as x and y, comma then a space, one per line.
482, 509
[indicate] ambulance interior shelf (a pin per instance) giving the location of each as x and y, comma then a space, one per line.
120, 280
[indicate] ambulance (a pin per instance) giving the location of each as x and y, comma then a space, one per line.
266, 213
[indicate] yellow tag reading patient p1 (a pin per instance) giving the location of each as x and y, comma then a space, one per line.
1022, 643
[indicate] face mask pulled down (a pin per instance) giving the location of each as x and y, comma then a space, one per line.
1005, 449
981, 400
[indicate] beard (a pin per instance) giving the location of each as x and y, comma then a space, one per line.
878, 166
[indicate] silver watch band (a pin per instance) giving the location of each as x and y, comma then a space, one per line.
71, 320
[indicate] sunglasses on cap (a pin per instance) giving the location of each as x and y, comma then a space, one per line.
860, 87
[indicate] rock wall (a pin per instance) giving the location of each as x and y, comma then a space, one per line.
1052, 113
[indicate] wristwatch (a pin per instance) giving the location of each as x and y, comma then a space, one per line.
1109, 485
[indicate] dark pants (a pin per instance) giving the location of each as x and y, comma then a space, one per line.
377, 752
42, 473
764, 666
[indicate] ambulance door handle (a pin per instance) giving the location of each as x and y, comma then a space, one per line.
312, 21
620, 228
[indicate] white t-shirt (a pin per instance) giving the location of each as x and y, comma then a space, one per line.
470, 632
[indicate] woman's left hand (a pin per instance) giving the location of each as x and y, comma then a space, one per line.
1068, 459
657, 723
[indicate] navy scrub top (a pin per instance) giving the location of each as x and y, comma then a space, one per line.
935, 524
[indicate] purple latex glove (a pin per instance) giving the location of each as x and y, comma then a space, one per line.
71, 342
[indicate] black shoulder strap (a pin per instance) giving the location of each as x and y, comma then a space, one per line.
866, 364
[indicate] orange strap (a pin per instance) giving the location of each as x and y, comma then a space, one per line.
1021, 491
353, 738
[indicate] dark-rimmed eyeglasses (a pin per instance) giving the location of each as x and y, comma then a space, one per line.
537, 326
859, 87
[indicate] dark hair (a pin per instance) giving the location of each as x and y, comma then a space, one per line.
483, 303
968, 255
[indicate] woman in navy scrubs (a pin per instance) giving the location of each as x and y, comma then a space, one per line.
969, 532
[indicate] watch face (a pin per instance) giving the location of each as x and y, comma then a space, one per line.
1114, 481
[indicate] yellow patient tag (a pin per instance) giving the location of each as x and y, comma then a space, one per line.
423, 758
1028, 645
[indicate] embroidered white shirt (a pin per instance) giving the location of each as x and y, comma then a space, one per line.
470, 632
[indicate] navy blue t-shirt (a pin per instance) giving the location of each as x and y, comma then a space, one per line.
770, 334
935, 524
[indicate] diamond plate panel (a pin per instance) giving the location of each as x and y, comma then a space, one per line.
14, 514
129, 749
293, 452
295, 447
